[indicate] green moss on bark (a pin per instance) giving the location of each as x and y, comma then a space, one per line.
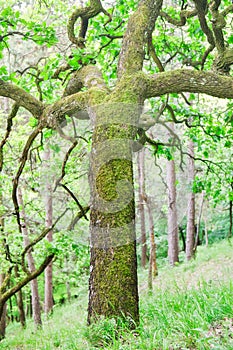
113, 279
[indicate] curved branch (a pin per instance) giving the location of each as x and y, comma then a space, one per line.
201, 6
63, 171
75, 199
71, 105
184, 14
10, 118
20, 170
85, 14
21, 97
5, 296
88, 76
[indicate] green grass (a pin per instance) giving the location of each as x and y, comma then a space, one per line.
191, 307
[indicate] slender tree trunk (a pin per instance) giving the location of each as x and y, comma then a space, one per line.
231, 213
3, 316
173, 238
20, 304
48, 292
68, 291
231, 219
206, 233
2, 277
190, 234
141, 181
199, 221
113, 278
153, 271
36, 309
11, 310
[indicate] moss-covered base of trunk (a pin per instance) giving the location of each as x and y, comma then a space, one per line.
113, 284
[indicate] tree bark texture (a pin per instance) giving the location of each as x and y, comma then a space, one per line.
190, 234
113, 268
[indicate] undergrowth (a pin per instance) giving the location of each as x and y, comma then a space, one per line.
191, 307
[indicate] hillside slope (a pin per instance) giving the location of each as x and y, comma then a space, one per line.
191, 307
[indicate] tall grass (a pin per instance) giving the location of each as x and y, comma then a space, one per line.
177, 315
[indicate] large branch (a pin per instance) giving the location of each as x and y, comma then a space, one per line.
186, 80
140, 25
21, 97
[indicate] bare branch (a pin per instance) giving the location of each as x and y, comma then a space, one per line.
10, 118
38, 239
75, 199
5, 296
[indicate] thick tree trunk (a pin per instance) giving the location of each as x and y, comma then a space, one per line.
36, 308
48, 292
113, 277
190, 234
173, 241
141, 182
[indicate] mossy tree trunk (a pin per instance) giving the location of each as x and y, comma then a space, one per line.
113, 279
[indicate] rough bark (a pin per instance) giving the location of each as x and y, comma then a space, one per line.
36, 308
141, 182
188, 80
190, 232
48, 291
113, 277
140, 26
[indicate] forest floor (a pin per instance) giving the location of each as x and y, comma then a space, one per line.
191, 307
